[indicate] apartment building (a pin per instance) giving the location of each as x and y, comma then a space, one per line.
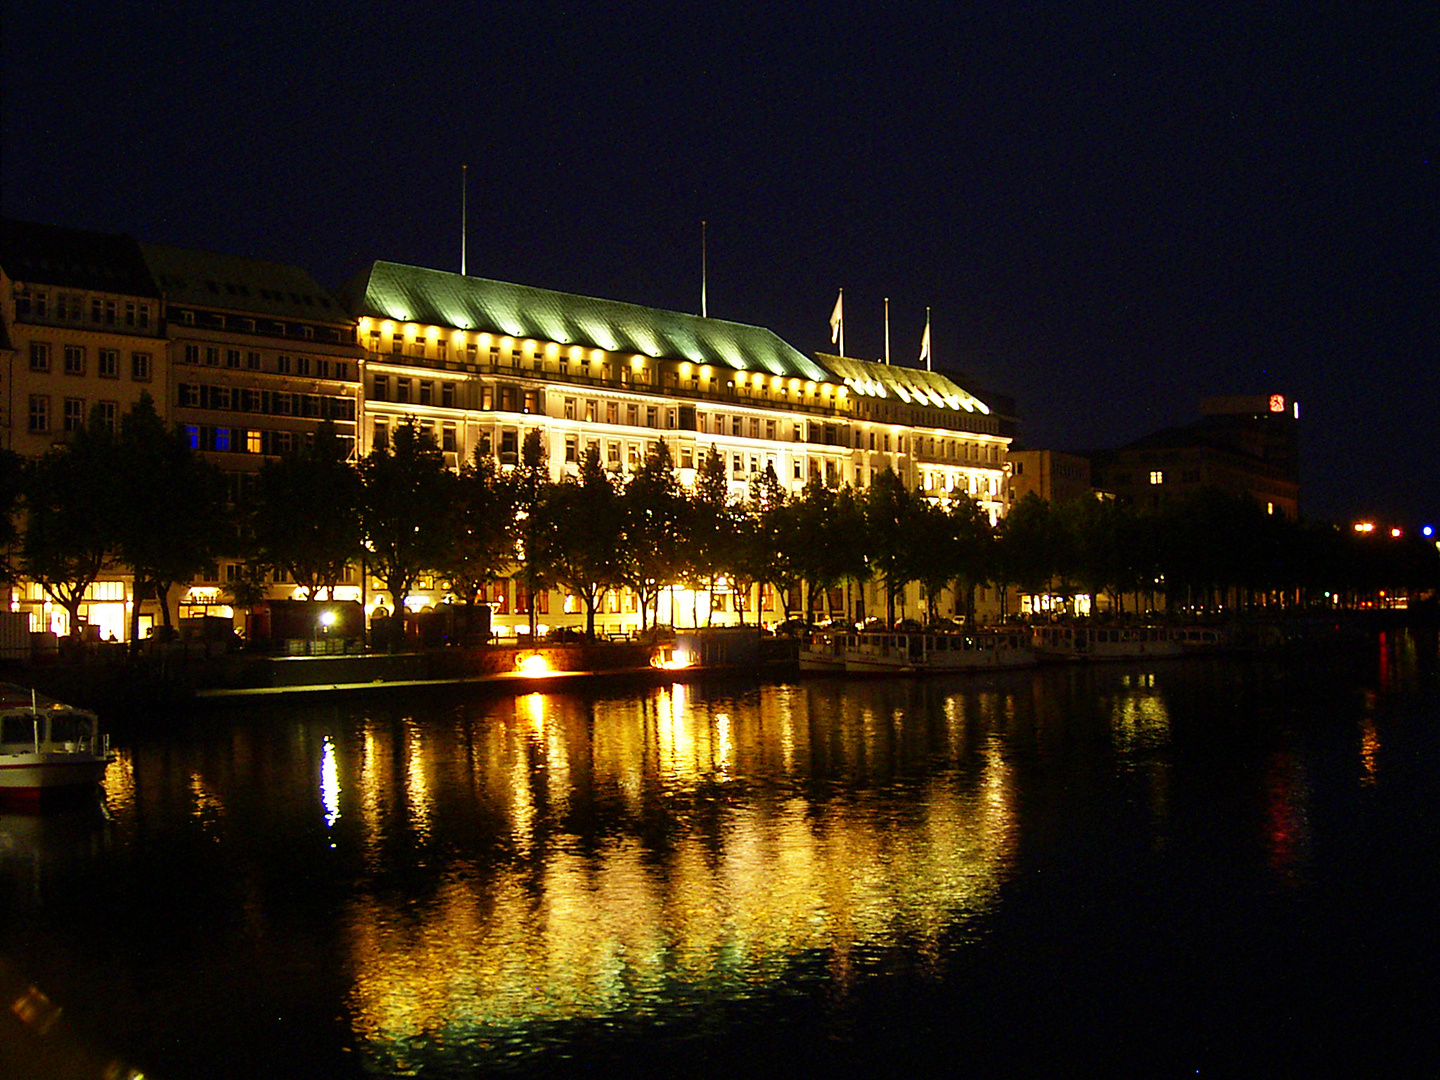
82, 321
81, 329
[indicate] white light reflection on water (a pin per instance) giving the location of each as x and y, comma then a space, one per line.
751, 883
329, 783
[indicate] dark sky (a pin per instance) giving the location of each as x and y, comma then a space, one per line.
1112, 208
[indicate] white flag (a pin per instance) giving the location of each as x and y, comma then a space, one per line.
837, 317
925, 343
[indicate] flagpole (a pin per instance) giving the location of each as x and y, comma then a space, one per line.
929, 349
842, 323
704, 306
887, 330
464, 190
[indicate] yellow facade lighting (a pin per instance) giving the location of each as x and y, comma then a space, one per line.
432, 332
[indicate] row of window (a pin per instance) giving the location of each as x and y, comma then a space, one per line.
246, 440
380, 391
513, 357
323, 367
73, 412
266, 402
220, 321
72, 307
76, 361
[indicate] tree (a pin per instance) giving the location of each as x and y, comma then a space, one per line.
890, 510
12, 487
406, 495
306, 519
651, 510
1027, 545
710, 527
530, 489
483, 545
175, 508
585, 515
763, 558
974, 552
73, 503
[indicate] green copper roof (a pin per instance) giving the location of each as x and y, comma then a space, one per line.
905, 384
436, 298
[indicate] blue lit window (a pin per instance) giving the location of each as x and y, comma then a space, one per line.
193, 434
222, 438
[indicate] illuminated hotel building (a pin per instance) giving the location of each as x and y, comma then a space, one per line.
479, 363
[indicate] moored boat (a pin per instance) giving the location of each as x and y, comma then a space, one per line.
823, 651
46, 747
1069, 642
927, 651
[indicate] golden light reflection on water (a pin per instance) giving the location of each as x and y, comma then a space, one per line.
742, 888
1140, 727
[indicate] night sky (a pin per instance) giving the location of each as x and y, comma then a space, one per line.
1112, 208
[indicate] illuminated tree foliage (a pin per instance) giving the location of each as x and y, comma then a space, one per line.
405, 498
73, 505
652, 509
306, 513
585, 515
175, 518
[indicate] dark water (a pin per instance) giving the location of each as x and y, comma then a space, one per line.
1198, 867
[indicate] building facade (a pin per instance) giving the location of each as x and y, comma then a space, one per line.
1241, 445
251, 357
1053, 475
479, 363
81, 331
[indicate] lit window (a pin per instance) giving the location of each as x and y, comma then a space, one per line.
1156, 476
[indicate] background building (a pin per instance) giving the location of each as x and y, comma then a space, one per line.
1241, 445
1053, 475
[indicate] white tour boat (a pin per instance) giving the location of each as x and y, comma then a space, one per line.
823, 651
1064, 642
916, 652
47, 747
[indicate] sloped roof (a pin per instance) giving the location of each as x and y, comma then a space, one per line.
235, 283
910, 385
73, 259
414, 294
